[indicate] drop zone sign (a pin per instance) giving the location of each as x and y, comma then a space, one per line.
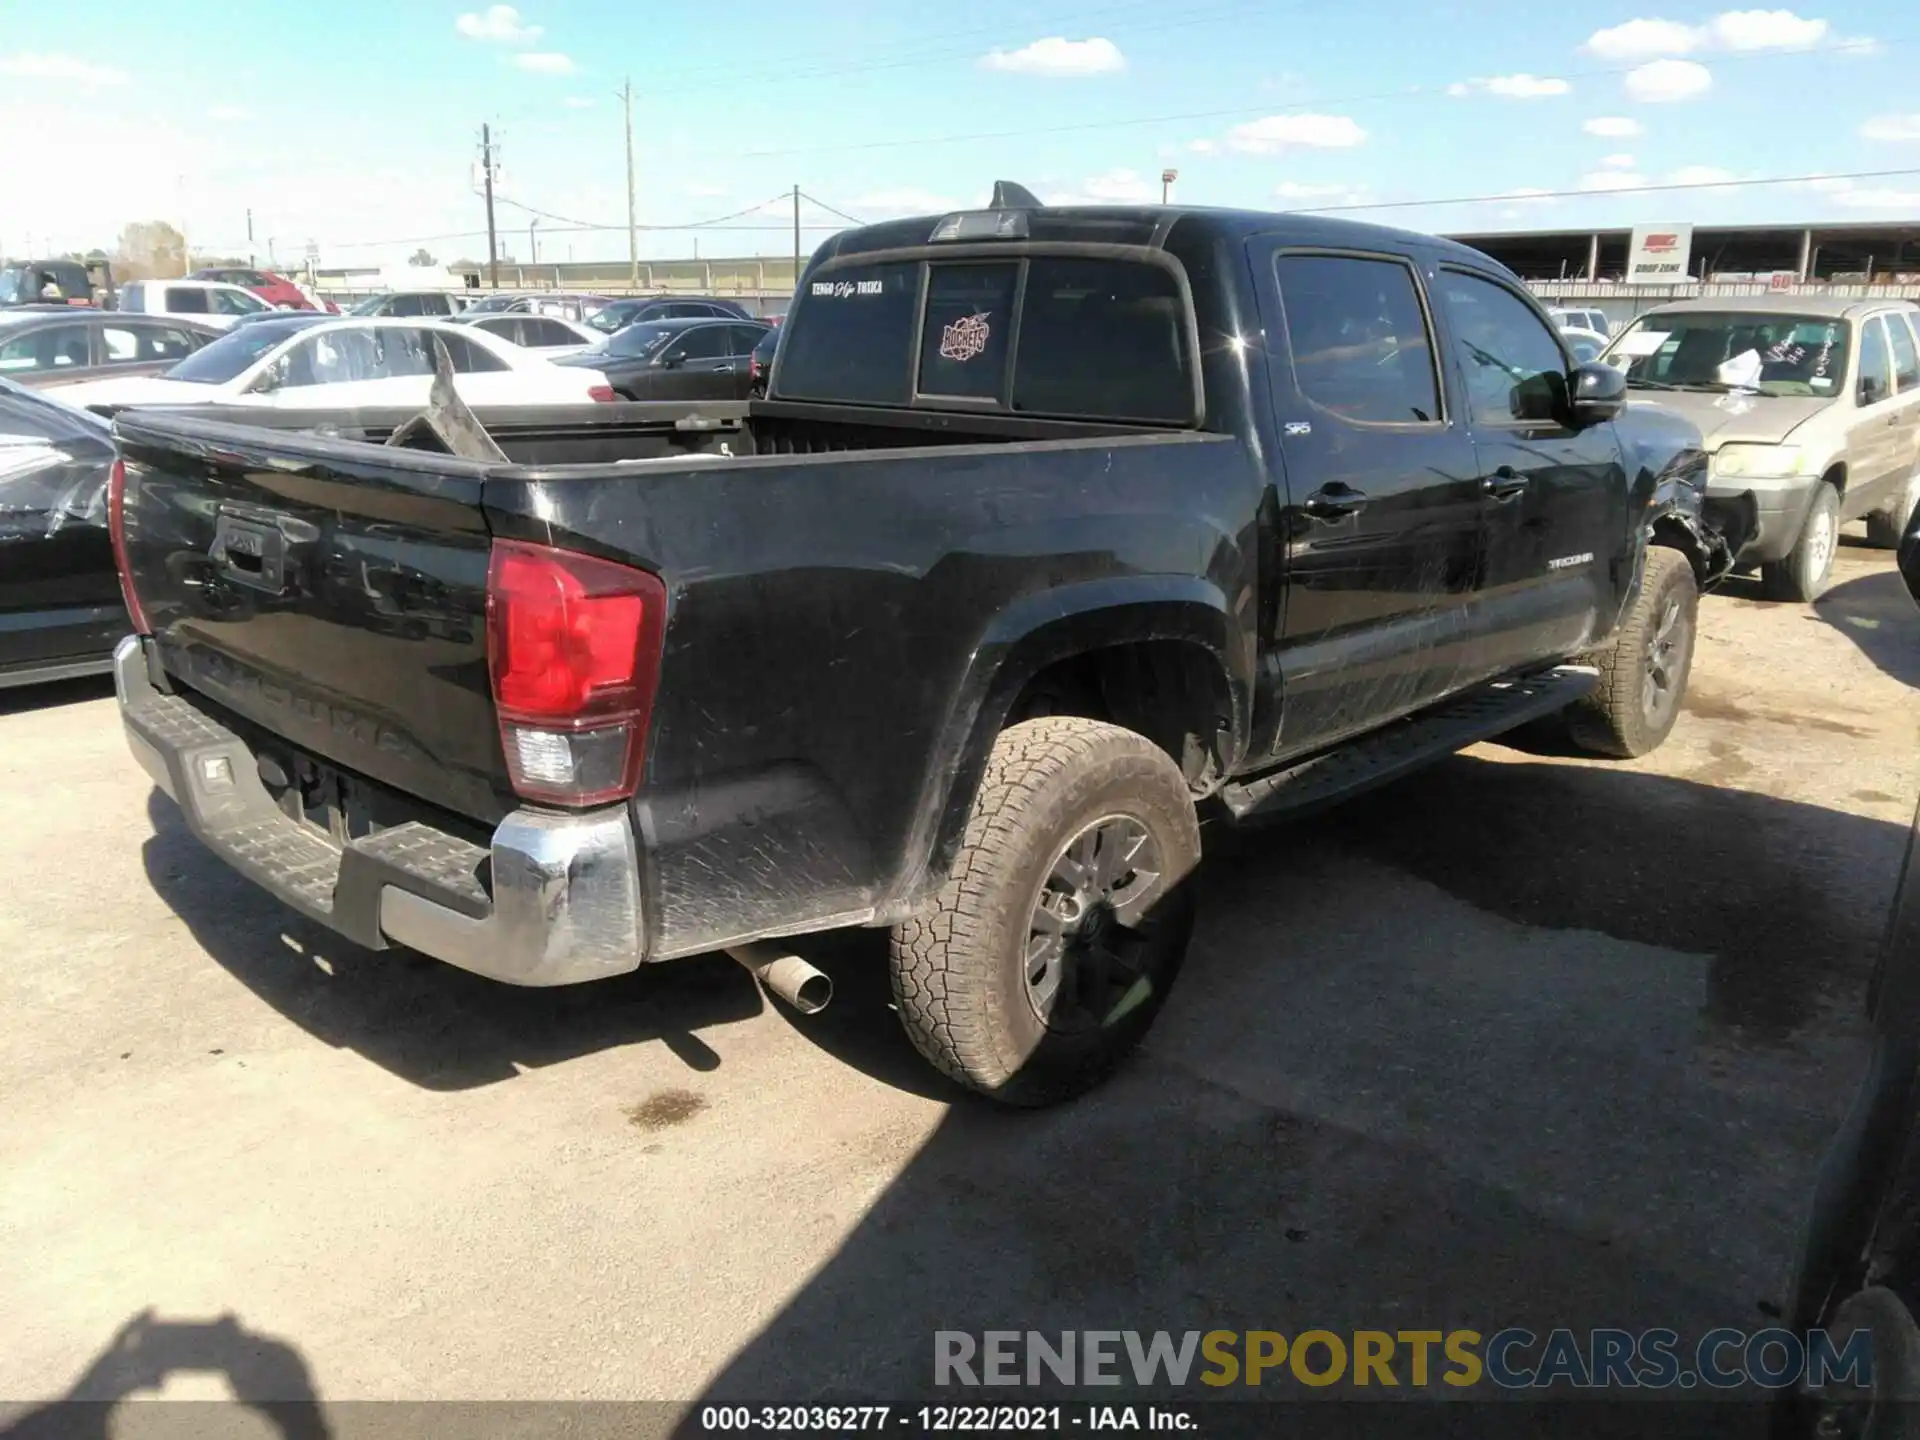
1660, 255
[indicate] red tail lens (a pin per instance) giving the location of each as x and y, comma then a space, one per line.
573, 648
603, 393
117, 529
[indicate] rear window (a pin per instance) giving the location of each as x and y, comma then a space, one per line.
1097, 339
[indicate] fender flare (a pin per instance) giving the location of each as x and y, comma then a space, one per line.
1040, 630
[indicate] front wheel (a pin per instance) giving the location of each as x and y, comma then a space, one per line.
1643, 674
1803, 575
1056, 938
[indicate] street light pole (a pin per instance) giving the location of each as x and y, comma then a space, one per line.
633, 225
1167, 177
533, 242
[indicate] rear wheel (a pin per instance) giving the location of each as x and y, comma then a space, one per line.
1058, 935
1886, 528
1804, 573
1643, 674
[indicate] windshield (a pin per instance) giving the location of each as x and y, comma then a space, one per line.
368, 306
1766, 352
223, 359
611, 317
639, 341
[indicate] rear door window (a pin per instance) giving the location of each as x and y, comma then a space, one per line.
1359, 338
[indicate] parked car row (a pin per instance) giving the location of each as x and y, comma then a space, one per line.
48, 345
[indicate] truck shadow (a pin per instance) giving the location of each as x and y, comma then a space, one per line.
1877, 615
1509, 1043
432, 1024
20, 699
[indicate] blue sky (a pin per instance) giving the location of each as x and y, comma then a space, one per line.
355, 125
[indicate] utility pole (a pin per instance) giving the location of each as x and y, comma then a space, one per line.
796, 236
533, 242
249, 236
486, 166
633, 225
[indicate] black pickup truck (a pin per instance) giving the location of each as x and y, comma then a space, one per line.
1055, 524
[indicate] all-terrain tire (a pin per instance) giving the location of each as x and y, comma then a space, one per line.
962, 969
1804, 573
1643, 674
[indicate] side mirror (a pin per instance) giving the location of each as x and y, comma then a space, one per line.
673, 361
1599, 393
271, 379
1871, 390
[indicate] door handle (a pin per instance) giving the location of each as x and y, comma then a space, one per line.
1505, 483
1331, 502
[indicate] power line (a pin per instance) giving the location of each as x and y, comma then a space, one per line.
1404, 92
1511, 198
821, 204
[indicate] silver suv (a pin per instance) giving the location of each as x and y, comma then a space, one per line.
1810, 407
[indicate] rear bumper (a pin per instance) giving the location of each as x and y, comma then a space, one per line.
554, 900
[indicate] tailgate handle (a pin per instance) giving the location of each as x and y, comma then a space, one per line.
249, 554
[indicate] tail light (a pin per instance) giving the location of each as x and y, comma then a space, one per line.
117, 528
573, 649
602, 393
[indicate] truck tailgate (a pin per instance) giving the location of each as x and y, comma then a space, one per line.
337, 603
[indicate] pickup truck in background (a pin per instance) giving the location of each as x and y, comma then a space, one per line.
1055, 524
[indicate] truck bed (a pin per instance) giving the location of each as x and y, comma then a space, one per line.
838, 613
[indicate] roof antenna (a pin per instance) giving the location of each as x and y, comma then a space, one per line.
1009, 196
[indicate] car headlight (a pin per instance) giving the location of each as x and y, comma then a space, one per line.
1761, 462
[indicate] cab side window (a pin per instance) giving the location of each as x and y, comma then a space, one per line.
1514, 367
1876, 363
1360, 343
1906, 359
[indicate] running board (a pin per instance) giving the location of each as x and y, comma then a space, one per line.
1406, 745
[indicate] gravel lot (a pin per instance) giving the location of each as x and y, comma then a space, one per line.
1524, 1039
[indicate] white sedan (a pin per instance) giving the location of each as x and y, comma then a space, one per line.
296, 362
550, 335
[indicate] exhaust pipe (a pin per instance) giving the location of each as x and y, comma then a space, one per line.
801, 985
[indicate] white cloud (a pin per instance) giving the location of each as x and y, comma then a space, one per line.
498, 23
1612, 127
1524, 86
1120, 187
1661, 82
1617, 162
1281, 132
28, 65
1700, 175
1857, 46
1057, 55
1877, 198
1644, 39
1765, 30
228, 113
578, 102
1204, 147
1612, 180
1892, 127
546, 62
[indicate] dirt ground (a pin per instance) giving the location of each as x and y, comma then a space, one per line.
1525, 1039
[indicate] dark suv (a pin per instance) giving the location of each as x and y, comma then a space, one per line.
622, 313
